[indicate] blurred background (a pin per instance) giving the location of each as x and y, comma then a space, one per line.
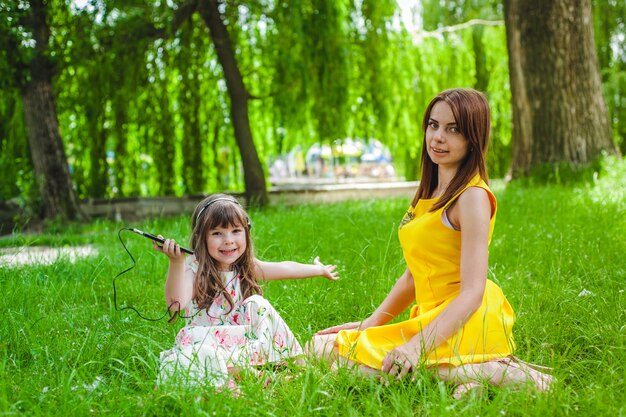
110, 99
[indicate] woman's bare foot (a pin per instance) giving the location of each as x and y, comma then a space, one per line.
507, 371
518, 372
467, 389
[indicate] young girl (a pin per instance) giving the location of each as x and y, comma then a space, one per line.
229, 324
461, 323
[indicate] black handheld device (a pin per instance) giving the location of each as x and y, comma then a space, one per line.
156, 239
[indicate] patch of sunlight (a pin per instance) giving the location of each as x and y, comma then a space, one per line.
611, 186
43, 255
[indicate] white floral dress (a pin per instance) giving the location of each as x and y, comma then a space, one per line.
252, 333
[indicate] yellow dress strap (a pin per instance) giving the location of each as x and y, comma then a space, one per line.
476, 181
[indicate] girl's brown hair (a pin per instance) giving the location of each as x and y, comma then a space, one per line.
220, 210
473, 117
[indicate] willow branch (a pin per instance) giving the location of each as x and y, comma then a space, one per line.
454, 28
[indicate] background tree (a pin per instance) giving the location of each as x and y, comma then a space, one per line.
610, 35
480, 25
144, 108
559, 113
26, 34
254, 177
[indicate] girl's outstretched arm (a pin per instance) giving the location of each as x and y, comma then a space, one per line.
271, 271
179, 283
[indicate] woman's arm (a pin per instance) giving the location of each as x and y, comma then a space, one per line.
474, 212
179, 282
402, 294
271, 271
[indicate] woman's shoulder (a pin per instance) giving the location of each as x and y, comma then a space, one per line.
478, 182
473, 194
476, 193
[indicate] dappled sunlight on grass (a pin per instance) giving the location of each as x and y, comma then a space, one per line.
28, 255
610, 185
557, 253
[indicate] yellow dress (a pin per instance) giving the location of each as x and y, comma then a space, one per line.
432, 252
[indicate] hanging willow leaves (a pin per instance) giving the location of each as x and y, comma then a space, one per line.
144, 107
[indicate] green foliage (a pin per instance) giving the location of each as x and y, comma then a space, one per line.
144, 110
569, 174
13, 153
609, 30
557, 253
499, 96
16, 44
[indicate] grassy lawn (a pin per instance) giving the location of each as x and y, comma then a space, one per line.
558, 253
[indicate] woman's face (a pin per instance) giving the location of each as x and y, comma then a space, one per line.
445, 144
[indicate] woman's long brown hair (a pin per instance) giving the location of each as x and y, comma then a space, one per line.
473, 118
220, 210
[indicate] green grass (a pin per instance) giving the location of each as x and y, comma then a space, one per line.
64, 350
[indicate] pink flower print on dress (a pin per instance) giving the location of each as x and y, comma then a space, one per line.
239, 340
224, 339
279, 343
228, 340
247, 340
218, 300
255, 359
279, 340
183, 338
256, 356
219, 336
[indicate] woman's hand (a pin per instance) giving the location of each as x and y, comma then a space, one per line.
402, 360
328, 271
170, 249
355, 325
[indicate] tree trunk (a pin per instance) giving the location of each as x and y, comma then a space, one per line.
480, 59
119, 162
254, 178
559, 113
98, 175
190, 104
46, 146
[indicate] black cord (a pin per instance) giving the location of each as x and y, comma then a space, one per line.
174, 314
129, 307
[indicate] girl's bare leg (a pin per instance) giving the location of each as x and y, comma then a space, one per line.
323, 347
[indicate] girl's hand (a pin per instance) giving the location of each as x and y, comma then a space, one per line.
328, 271
402, 360
355, 325
171, 249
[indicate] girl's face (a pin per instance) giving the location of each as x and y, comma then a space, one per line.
226, 245
445, 144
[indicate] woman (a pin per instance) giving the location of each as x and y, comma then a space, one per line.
461, 323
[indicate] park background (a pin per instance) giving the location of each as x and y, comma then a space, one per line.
109, 99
